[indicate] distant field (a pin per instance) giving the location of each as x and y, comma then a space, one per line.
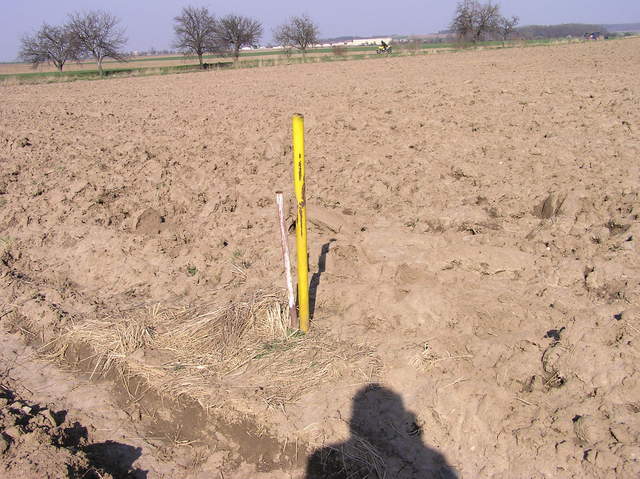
162, 61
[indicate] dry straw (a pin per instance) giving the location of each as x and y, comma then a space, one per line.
364, 456
354, 459
214, 352
427, 359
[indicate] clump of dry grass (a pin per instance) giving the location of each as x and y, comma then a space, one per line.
364, 456
213, 352
427, 358
353, 459
9, 81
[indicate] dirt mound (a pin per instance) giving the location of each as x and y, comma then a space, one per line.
38, 441
150, 221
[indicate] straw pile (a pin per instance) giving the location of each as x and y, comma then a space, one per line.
213, 352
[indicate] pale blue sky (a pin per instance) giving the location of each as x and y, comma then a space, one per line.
149, 22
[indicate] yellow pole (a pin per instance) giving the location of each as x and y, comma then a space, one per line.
301, 222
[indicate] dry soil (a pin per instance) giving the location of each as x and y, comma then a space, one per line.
473, 244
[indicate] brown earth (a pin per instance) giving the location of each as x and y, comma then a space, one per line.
473, 246
43, 440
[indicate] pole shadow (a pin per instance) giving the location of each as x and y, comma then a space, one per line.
386, 442
314, 284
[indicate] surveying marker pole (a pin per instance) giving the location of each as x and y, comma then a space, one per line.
301, 222
293, 316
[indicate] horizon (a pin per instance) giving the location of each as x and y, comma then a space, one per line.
149, 25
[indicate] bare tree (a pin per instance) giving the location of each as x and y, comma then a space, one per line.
474, 20
235, 31
506, 26
195, 32
298, 32
50, 44
462, 23
98, 34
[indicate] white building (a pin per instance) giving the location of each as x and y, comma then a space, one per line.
369, 41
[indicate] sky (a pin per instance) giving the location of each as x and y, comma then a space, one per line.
149, 23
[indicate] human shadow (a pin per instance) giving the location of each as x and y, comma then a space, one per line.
116, 459
109, 457
386, 441
314, 284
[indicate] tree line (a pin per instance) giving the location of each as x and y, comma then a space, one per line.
98, 35
559, 31
475, 21
198, 32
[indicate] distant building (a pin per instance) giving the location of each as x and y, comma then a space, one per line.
361, 42
349, 42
